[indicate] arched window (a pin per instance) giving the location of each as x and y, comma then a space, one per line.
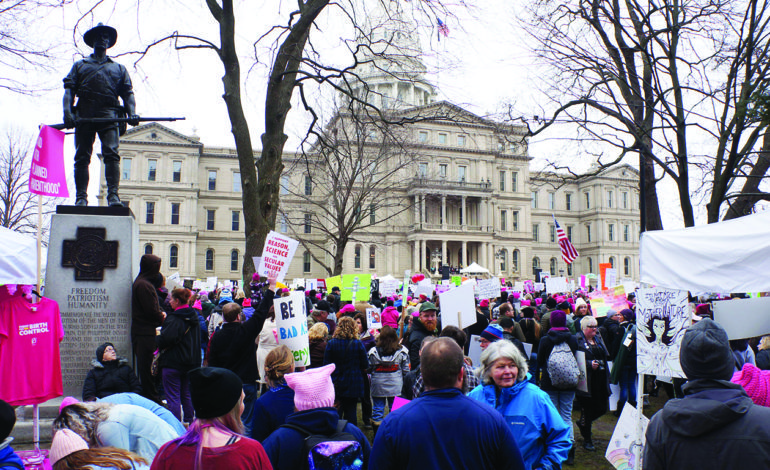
173, 256
515, 261
590, 265
504, 259
306, 262
372, 256
234, 260
148, 249
627, 266
357, 259
535, 264
612, 261
209, 260
553, 266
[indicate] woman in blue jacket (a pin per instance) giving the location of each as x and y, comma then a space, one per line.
541, 434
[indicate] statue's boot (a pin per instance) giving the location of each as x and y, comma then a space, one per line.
81, 186
112, 176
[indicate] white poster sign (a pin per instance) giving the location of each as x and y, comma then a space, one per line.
311, 284
610, 278
743, 318
291, 326
474, 351
389, 288
373, 319
458, 307
662, 317
539, 286
173, 281
556, 284
277, 255
211, 283
582, 385
488, 288
620, 449
423, 289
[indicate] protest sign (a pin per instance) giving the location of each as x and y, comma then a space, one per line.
421, 288
332, 282
620, 449
457, 280
173, 281
458, 307
355, 287
277, 255
405, 290
527, 349
518, 286
529, 286
46, 173
444, 288
321, 283
743, 318
474, 349
556, 284
603, 267
291, 325
582, 385
373, 319
389, 287
297, 282
611, 278
662, 317
211, 283
197, 284
488, 288
398, 402
256, 260
228, 284
540, 286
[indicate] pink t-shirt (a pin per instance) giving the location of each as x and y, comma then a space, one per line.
29, 351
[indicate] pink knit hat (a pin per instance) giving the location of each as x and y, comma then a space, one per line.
65, 442
756, 382
526, 303
313, 388
67, 402
348, 308
538, 301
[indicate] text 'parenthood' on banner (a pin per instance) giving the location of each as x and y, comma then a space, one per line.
46, 175
276, 256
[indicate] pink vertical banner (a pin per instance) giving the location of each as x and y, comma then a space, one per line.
583, 281
46, 175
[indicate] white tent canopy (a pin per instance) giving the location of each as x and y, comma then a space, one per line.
474, 268
730, 256
18, 260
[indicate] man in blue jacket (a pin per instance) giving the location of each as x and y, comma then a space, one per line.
444, 429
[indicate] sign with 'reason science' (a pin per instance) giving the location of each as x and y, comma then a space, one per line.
276, 256
291, 325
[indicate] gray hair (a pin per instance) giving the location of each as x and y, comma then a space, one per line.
502, 349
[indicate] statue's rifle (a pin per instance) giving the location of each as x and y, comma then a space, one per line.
113, 120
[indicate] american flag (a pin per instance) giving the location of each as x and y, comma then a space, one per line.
568, 252
442, 28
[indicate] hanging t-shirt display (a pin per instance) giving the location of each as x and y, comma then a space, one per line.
29, 351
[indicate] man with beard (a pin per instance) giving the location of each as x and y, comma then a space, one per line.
424, 325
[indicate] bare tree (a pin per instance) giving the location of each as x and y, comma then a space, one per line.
672, 82
295, 64
354, 183
18, 206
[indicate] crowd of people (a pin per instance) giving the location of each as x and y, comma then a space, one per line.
222, 392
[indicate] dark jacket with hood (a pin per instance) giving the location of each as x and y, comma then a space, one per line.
547, 344
419, 332
285, 446
146, 314
110, 377
716, 425
233, 347
181, 338
610, 331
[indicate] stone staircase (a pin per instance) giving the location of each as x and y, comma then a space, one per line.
23, 431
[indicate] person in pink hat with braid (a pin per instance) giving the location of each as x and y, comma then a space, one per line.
315, 417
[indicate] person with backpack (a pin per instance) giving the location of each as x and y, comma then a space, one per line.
388, 364
559, 371
305, 436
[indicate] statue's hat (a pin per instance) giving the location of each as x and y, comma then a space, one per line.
96, 31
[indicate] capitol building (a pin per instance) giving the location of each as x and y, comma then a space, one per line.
467, 194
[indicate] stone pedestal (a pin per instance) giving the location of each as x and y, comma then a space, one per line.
93, 258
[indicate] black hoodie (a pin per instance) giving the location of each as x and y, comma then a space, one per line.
145, 309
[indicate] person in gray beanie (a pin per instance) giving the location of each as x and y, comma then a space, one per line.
716, 425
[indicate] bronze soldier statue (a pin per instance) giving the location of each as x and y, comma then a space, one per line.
98, 82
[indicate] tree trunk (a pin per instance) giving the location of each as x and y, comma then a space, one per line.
748, 196
652, 209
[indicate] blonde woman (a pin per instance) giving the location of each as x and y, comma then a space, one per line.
272, 408
317, 336
763, 356
348, 355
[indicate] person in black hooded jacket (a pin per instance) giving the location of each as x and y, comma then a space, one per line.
180, 343
716, 425
111, 374
146, 315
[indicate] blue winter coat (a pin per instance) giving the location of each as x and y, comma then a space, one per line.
349, 357
285, 446
444, 429
9, 459
541, 434
271, 410
138, 400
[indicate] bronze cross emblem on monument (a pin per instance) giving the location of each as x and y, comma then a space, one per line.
89, 254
